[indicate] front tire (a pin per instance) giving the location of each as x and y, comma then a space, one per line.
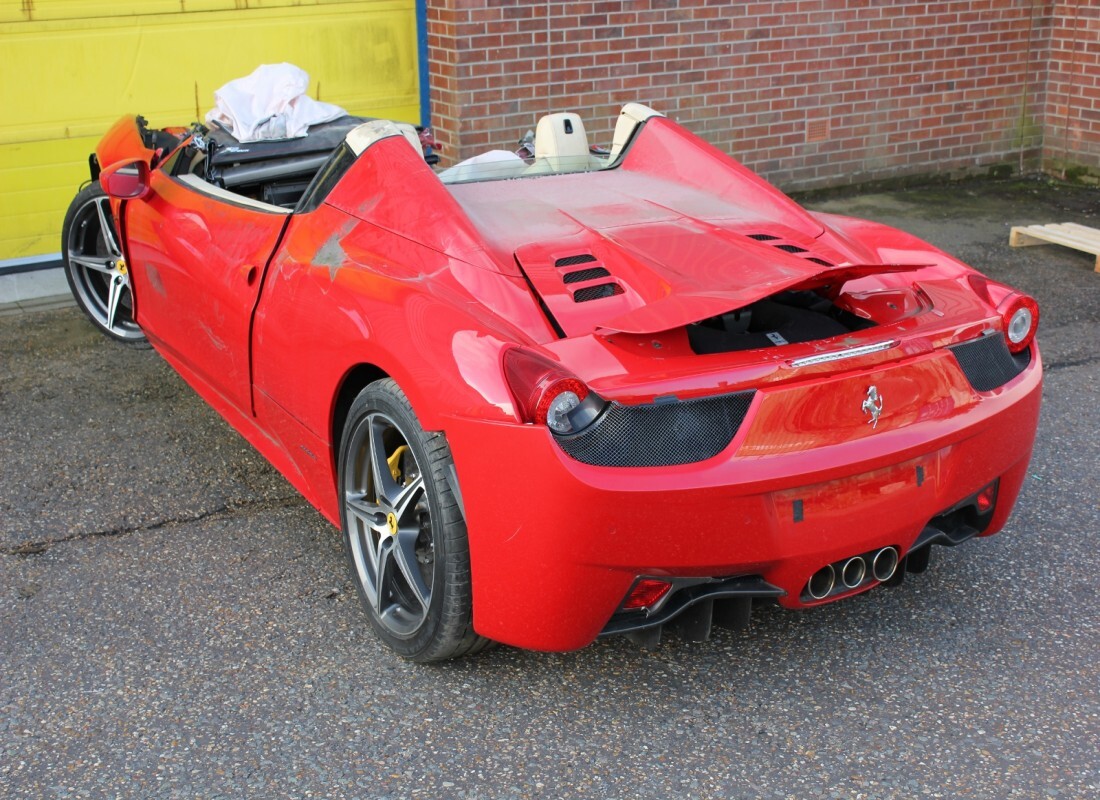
404, 535
95, 268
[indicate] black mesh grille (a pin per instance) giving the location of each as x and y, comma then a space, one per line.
585, 275
570, 261
791, 248
659, 434
596, 292
762, 237
987, 362
820, 261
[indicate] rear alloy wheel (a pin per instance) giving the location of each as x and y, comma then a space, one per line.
404, 534
95, 267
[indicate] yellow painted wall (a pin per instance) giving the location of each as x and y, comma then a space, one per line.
72, 67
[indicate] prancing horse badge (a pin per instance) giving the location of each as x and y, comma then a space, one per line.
873, 406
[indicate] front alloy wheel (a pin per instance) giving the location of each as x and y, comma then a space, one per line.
403, 532
95, 268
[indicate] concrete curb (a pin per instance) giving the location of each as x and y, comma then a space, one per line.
41, 290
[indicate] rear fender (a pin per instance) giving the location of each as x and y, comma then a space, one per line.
340, 293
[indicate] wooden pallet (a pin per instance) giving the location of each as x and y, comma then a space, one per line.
1068, 234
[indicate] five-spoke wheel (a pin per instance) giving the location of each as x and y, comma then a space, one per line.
404, 534
95, 267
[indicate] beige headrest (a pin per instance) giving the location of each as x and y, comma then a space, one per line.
561, 137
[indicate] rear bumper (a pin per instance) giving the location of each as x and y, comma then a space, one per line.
555, 545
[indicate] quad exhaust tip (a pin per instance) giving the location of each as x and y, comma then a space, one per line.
885, 564
822, 582
853, 572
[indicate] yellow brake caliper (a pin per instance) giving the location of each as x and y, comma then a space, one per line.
394, 462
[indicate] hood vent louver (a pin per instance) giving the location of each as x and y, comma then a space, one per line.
586, 293
596, 292
589, 274
779, 243
572, 261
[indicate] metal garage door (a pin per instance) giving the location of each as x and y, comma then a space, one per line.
72, 67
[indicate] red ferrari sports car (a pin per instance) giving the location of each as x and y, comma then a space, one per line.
580, 393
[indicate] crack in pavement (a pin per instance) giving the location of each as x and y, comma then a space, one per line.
225, 510
1053, 366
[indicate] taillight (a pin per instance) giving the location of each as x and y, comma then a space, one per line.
985, 498
646, 593
548, 394
1021, 319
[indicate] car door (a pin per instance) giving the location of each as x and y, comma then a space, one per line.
197, 258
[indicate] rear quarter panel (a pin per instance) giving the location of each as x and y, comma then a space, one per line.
340, 293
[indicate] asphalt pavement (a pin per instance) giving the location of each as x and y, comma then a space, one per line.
176, 622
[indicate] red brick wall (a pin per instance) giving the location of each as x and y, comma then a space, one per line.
807, 92
1071, 129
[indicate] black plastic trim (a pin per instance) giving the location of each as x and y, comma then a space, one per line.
987, 362
685, 593
957, 524
326, 178
659, 434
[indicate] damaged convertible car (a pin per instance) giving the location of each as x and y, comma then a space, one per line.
581, 393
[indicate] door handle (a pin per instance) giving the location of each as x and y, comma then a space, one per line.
249, 273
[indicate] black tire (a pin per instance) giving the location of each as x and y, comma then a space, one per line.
95, 268
404, 535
